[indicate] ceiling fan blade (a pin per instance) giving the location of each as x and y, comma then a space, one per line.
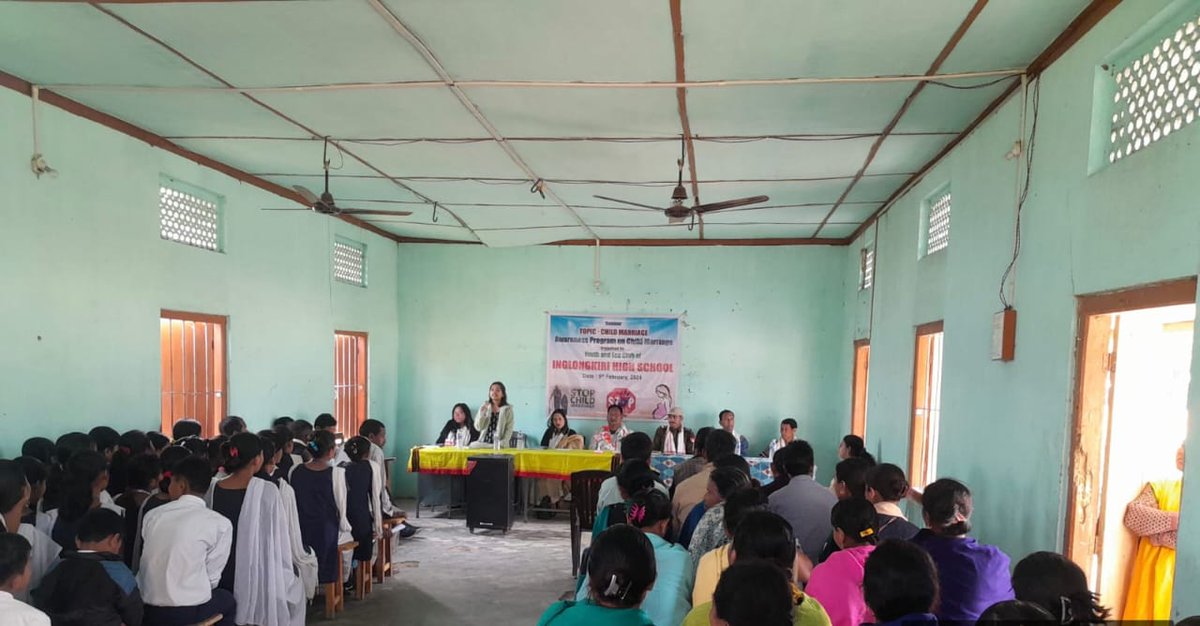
728, 204
373, 212
644, 206
275, 209
308, 196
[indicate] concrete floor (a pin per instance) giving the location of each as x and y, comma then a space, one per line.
445, 575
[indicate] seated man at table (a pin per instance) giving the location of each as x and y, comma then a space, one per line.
674, 438
691, 492
787, 432
725, 419
634, 447
609, 437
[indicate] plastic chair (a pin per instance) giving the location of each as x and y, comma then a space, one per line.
585, 491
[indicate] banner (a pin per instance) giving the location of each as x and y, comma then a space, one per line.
594, 361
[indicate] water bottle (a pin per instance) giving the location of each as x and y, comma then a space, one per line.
520, 441
495, 442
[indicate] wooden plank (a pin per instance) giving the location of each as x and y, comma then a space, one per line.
858, 399
1166, 293
166, 417
177, 408
668, 243
1091, 407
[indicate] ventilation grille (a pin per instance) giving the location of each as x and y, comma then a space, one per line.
1157, 94
187, 218
866, 272
350, 262
938, 231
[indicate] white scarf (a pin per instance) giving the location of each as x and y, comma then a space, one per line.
674, 444
304, 559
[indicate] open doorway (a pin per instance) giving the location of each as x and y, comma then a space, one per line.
1134, 364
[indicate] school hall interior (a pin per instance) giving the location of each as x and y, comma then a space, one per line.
964, 230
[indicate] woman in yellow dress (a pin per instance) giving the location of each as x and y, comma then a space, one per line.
1154, 517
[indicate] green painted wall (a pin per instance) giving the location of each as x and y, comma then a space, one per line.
471, 315
1005, 426
86, 274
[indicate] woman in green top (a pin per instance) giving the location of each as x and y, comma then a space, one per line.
620, 572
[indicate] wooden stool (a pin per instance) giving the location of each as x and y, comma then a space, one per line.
210, 621
362, 580
383, 560
335, 597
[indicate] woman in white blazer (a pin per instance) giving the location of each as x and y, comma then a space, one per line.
495, 418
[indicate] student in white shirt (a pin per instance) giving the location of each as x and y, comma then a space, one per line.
375, 432
14, 500
325, 421
185, 548
15, 572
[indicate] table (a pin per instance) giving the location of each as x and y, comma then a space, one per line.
665, 464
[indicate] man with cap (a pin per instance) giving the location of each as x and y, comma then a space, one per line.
674, 438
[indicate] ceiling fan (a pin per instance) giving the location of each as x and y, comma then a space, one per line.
324, 203
678, 211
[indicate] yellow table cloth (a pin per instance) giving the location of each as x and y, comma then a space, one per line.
559, 464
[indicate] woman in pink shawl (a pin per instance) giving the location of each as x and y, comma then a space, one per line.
837, 583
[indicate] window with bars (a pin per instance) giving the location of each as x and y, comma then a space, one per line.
866, 268
935, 235
1157, 91
349, 380
858, 408
189, 215
927, 405
193, 369
350, 262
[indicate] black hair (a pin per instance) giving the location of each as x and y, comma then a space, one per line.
719, 444
729, 480
106, 437
734, 461
195, 471
634, 476
216, 452
647, 508
12, 485
98, 525
566, 427
282, 420
503, 393
195, 445
157, 440
702, 439
232, 425
469, 422
325, 421
281, 436
132, 444
372, 427
171, 457
617, 407
322, 443
622, 566
14, 556
739, 504
899, 579
1015, 613
67, 445
301, 429
856, 518
888, 481
1059, 586
947, 504
722, 414
767, 536
186, 428
35, 470
789, 422
852, 472
798, 458
855, 445
39, 448
268, 446
240, 451
636, 446
778, 464
358, 448
142, 470
79, 477
754, 593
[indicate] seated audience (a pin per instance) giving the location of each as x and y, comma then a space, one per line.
670, 599
688, 468
766, 537
186, 428
690, 492
804, 503
620, 572
329, 424
14, 499
35, 474
738, 506
725, 418
142, 477
362, 498
1058, 585
1016, 613
837, 583
635, 447
321, 503
495, 419
170, 457
609, 437
376, 433
972, 576
674, 438
185, 550
232, 425
282, 420
900, 584
92, 586
107, 440
459, 431
84, 478
132, 444
787, 434
302, 432
727, 477
39, 448
752, 593
849, 481
886, 487
158, 442
633, 477
779, 475
272, 455
15, 572
281, 436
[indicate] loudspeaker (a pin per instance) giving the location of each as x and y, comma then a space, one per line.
490, 492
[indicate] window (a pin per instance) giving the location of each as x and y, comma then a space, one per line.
350, 262
193, 369
935, 236
866, 268
349, 380
858, 406
189, 215
1156, 89
927, 403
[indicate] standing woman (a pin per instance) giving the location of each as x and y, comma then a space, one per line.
1154, 517
495, 417
459, 430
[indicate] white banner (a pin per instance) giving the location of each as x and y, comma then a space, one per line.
594, 361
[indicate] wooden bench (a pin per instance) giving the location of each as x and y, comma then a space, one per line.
335, 596
383, 556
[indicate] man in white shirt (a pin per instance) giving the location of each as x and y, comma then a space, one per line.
374, 431
634, 447
725, 418
325, 421
185, 548
15, 572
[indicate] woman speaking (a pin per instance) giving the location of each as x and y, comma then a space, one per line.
495, 418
